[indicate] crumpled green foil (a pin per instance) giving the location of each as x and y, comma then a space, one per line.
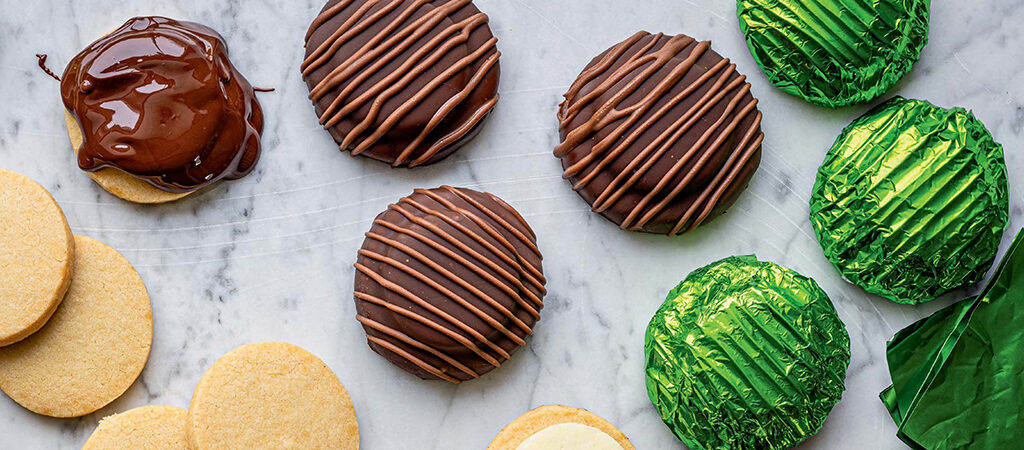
911, 201
958, 376
835, 52
745, 354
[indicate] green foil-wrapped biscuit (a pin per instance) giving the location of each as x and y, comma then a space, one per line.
745, 354
835, 52
957, 375
911, 201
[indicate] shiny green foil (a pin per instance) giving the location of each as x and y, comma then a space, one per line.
958, 376
745, 354
835, 52
911, 201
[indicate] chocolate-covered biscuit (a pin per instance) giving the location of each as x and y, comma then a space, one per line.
406, 82
660, 133
449, 283
159, 100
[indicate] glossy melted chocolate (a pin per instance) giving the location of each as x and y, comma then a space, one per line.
160, 100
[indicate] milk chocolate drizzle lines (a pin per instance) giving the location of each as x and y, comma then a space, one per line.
479, 239
392, 40
642, 65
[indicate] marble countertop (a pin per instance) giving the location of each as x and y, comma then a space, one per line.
270, 257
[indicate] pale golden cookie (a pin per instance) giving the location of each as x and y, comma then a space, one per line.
94, 346
118, 182
271, 395
36, 250
543, 417
155, 427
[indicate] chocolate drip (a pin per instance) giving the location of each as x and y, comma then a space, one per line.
41, 60
449, 283
659, 134
406, 82
160, 100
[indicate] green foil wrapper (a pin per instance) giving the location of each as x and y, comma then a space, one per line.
911, 201
835, 52
958, 376
745, 354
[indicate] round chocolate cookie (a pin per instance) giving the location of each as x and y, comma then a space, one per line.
449, 283
406, 82
659, 133
158, 102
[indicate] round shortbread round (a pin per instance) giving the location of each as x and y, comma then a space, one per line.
146, 427
117, 182
539, 419
94, 346
35, 256
271, 395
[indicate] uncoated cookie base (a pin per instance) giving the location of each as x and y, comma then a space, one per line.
36, 256
95, 345
146, 427
271, 395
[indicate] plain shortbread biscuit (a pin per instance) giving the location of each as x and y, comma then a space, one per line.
540, 418
36, 250
94, 346
155, 427
271, 395
118, 182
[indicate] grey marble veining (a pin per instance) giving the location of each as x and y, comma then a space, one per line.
270, 257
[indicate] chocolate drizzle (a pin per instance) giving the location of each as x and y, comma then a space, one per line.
406, 82
659, 134
159, 100
41, 60
449, 283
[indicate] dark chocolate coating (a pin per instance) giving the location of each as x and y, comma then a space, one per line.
659, 134
406, 82
159, 99
448, 283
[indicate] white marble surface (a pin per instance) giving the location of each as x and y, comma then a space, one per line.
270, 257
